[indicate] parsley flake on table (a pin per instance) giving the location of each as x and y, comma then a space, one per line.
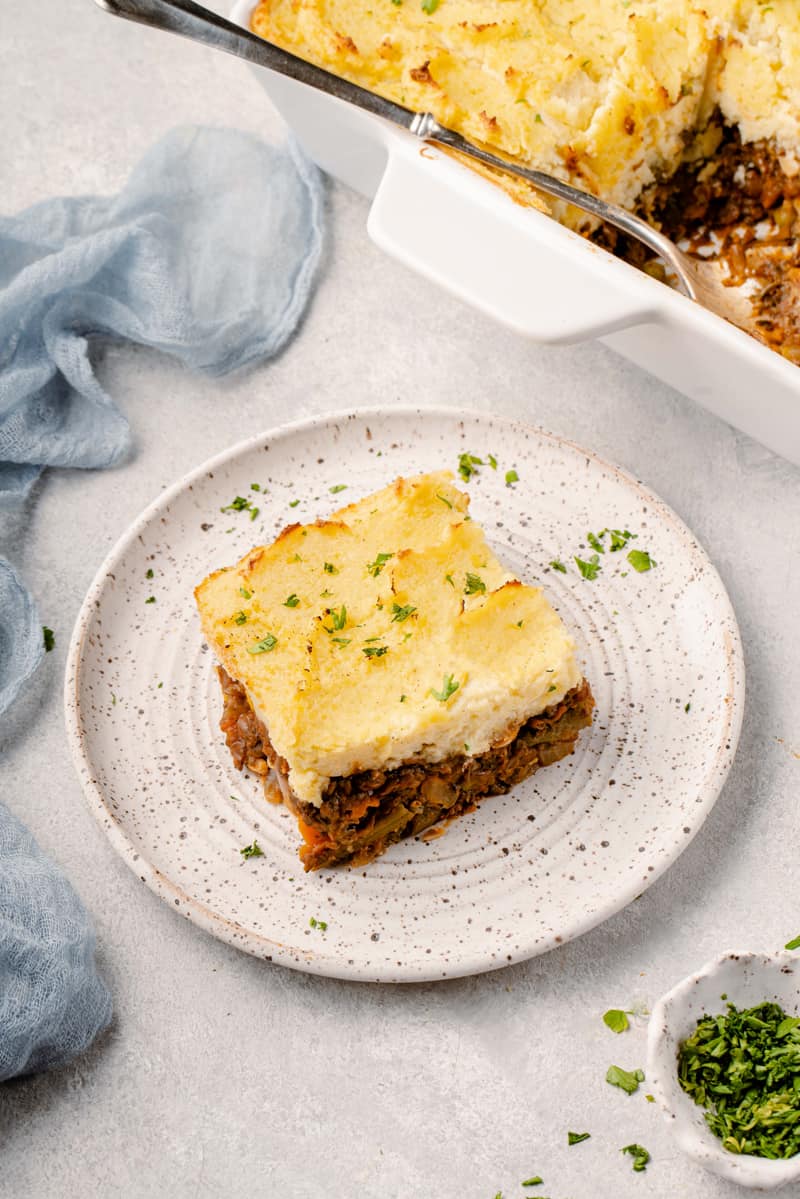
466, 462
558, 565
575, 1138
49, 639
640, 560
375, 568
640, 1156
626, 1080
589, 569
616, 1019
252, 851
449, 687
264, 646
474, 585
291, 601
402, 612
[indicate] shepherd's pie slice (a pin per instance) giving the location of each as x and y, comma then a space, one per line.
387, 671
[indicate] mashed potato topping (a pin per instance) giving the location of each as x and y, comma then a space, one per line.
609, 94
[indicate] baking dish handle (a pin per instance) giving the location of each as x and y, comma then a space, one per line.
517, 265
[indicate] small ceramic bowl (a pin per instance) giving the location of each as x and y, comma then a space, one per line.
746, 979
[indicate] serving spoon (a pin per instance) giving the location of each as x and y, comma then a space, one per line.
701, 281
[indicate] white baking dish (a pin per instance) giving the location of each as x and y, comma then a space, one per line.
532, 274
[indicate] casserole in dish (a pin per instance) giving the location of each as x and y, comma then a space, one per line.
532, 273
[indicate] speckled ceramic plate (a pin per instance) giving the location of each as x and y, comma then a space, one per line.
526, 871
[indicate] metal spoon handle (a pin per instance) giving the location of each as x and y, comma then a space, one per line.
201, 25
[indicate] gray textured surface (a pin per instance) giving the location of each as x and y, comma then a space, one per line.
221, 1075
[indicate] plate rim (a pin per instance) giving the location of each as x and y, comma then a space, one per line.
333, 966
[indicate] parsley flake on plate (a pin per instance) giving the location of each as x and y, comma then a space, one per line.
49, 639
466, 462
640, 560
575, 1138
293, 503
626, 1080
291, 601
536, 1181
558, 565
151, 599
149, 573
589, 569
511, 477
793, 944
595, 542
320, 924
337, 487
252, 851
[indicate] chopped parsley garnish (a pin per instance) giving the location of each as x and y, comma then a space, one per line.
490, 458
449, 579
151, 599
466, 462
244, 593
474, 585
252, 851
329, 568
296, 558
320, 924
49, 639
619, 538
575, 1138
291, 601
519, 624
616, 1019
536, 1181
640, 1156
640, 560
589, 569
402, 612
375, 568
686, 707
595, 542
337, 487
511, 477
626, 1080
793, 944
443, 499
341, 640
430, 6
240, 618
552, 687
255, 486
742, 1067
557, 565
449, 687
149, 573
375, 651
339, 619
264, 645
241, 504
403, 699
293, 503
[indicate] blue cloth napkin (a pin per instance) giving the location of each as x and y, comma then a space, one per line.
52, 1001
208, 254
